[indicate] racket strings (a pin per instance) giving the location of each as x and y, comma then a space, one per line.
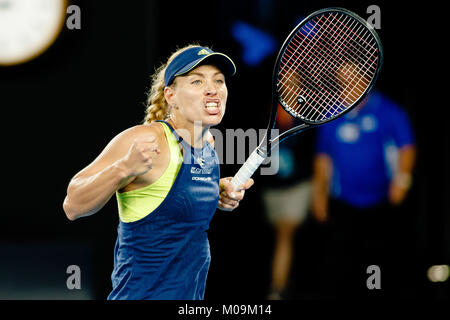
299, 64
331, 82
325, 62
328, 64
357, 45
356, 32
293, 67
370, 57
320, 42
321, 78
344, 48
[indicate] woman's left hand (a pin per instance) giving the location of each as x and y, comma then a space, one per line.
229, 198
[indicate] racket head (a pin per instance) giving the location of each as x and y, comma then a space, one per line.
326, 66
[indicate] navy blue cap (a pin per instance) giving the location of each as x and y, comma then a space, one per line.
192, 57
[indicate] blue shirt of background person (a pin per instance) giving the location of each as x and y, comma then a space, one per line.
363, 147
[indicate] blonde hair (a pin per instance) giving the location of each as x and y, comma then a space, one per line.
157, 107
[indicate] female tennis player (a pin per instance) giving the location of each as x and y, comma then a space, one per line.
165, 174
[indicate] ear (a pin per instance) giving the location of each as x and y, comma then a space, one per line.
169, 95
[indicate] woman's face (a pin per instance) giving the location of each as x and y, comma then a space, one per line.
200, 95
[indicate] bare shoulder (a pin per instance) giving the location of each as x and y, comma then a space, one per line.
142, 130
118, 147
122, 141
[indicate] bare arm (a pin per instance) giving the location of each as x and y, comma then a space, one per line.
88, 192
320, 188
128, 155
402, 181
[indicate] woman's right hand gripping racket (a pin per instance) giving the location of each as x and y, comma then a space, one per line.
326, 66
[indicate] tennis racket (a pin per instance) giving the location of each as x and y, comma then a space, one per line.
326, 66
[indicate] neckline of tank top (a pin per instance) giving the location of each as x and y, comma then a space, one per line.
184, 142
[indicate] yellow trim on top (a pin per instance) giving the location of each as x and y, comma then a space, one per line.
136, 204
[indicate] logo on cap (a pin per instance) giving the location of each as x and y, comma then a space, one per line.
202, 52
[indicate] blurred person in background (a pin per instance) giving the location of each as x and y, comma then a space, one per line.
362, 174
286, 198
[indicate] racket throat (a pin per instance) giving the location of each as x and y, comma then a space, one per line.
264, 150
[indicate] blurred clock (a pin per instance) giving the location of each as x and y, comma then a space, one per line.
28, 28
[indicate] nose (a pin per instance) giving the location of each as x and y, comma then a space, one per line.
210, 89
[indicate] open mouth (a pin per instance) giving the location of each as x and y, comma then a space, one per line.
212, 108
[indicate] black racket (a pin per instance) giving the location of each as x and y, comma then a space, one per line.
326, 66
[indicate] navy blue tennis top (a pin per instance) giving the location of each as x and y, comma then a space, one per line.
166, 254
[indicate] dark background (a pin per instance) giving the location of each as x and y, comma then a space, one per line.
62, 108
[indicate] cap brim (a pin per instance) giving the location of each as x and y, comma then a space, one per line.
220, 60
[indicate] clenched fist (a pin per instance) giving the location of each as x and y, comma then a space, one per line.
141, 155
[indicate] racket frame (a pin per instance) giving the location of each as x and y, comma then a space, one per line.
264, 149
266, 145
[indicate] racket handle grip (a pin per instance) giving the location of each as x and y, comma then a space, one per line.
248, 168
